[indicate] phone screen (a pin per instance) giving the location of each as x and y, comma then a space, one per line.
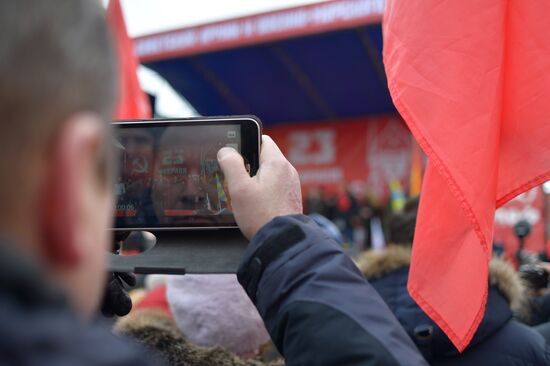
169, 176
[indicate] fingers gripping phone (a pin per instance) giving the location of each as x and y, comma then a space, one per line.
169, 177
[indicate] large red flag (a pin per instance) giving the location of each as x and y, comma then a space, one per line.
132, 103
472, 80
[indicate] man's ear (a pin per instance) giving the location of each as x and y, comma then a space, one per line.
71, 161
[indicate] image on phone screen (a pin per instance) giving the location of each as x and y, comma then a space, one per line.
169, 176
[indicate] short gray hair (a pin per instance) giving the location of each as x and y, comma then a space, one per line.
56, 59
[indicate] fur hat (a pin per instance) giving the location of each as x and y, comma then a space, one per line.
214, 310
157, 331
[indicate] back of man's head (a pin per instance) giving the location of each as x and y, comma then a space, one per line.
55, 60
57, 88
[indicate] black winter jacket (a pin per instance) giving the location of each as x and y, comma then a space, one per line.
317, 307
37, 327
499, 340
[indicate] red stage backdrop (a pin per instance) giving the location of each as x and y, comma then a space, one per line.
368, 151
528, 206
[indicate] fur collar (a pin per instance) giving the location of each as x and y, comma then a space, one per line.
376, 264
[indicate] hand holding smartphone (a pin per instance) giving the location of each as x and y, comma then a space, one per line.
169, 180
274, 191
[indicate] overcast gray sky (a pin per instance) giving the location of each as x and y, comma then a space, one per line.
151, 16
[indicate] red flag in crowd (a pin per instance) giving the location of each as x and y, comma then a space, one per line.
471, 79
133, 102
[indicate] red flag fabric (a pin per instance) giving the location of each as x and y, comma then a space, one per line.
133, 102
471, 79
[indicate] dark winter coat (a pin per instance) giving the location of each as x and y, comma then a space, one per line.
38, 328
318, 308
500, 340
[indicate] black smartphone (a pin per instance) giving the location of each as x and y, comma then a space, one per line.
169, 177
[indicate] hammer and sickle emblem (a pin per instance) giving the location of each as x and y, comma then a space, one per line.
140, 165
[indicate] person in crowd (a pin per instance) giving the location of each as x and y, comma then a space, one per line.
314, 203
536, 276
207, 316
158, 332
213, 310
57, 89
365, 214
329, 203
304, 286
346, 210
500, 339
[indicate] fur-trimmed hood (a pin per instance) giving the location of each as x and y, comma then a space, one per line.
499, 340
388, 273
502, 276
157, 331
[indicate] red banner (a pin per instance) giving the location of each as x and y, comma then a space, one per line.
260, 28
366, 153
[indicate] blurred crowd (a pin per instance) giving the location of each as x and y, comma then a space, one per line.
362, 220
